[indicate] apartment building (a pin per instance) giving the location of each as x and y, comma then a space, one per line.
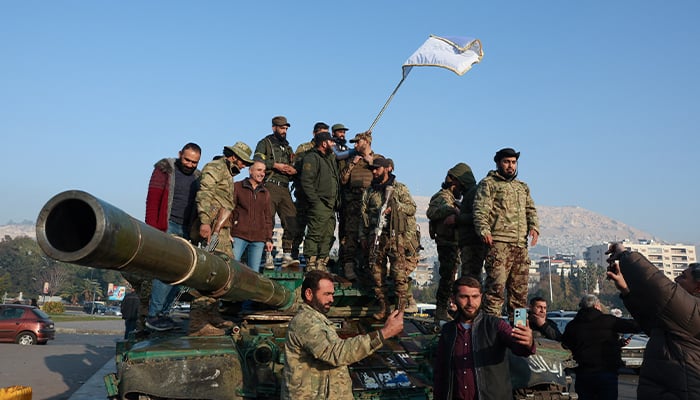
671, 258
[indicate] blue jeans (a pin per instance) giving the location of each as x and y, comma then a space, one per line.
255, 251
162, 294
600, 385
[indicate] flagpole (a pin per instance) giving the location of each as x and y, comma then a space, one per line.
387, 102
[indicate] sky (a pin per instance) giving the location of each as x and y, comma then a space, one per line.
600, 97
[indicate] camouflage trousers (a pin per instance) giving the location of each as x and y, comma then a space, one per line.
507, 268
390, 262
350, 236
225, 244
448, 257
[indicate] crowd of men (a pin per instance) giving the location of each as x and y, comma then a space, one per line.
478, 227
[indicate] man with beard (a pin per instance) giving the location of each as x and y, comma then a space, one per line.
301, 202
389, 203
315, 358
274, 150
355, 177
319, 182
170, 207
504, 216
471, 359
215, 204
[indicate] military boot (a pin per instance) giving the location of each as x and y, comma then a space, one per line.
200, 315
382, 305
322, 264
288, 261
441, 314
311, 263
349, 271
411, 305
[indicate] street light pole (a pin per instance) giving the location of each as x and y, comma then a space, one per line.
549, 263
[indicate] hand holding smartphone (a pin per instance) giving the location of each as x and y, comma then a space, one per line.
520, 317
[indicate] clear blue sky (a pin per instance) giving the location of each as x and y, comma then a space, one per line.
601, 97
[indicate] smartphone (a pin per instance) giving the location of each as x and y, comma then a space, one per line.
520, 317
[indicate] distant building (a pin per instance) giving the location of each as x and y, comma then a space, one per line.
672, 259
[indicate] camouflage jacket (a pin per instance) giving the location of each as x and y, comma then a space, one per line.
442, 205
215, 190
466, 234
402, 219
356, 176
271, 150
504, 209
316, 359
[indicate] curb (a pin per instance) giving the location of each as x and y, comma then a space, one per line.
90, 331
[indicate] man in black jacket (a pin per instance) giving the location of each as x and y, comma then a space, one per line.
539, 321
594, 341
471, 360
669, 312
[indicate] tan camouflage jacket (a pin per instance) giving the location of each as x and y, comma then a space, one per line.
402, 219
215, 190
442, 205
316, 359
504, 209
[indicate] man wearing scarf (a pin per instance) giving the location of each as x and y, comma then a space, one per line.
389, 200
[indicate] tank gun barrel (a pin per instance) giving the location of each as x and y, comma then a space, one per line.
77, 227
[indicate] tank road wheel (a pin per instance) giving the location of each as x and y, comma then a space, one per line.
25, 339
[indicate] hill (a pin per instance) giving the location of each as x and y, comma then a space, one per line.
567, 229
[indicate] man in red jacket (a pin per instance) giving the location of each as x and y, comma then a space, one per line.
170, 207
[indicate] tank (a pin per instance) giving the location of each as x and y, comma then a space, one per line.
246, 363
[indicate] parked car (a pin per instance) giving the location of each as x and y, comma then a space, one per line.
91, 307
113, 310
561, 313
25, 325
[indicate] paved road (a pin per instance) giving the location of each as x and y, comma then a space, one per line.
84, 352
56, 370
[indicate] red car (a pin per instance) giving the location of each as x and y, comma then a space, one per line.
25, 325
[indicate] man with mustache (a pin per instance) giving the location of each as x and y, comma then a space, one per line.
504, 215
472, 361
170, 207
315, 358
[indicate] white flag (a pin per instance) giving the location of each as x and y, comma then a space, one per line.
455, 53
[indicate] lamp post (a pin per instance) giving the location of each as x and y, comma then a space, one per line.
549, 264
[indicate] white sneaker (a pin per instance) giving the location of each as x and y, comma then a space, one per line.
269, 262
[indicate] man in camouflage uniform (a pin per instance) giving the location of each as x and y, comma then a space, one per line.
355, 177
504, 216
397, 240
214, 204
319, 182
472, 249
301, 202
443, 211
275, 152
315, 358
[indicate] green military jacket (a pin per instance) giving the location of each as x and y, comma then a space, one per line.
271, 150
442, 205
215, 190
402, 219
504, 209
319, 179
466, 234
316, 359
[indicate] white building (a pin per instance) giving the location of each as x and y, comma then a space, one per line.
671, 258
